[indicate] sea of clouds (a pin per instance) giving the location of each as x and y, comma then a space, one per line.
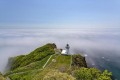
101, 47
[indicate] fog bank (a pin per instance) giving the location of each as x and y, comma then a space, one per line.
98, 45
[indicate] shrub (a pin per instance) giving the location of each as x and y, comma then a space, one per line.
78, 61
92, 74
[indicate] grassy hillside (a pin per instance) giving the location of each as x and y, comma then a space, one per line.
35, 55
44, 64
31, 66
25, 65
57, 61
60, 62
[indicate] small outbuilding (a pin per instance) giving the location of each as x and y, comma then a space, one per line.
64, 52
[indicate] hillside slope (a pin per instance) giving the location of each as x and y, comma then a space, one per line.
44, 64
36, 55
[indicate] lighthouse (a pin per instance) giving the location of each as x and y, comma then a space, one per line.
67, 48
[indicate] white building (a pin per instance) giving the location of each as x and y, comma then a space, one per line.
64, 52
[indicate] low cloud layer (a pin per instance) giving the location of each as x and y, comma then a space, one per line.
95, 44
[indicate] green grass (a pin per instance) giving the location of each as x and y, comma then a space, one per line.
53, 57
35, 71
31, 66
29, 71
62, 62
36, 55
26, 75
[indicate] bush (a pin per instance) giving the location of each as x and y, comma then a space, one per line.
92, 74
78, 61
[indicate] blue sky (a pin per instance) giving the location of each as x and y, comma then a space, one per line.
59, 13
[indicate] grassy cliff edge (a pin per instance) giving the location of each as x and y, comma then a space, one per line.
42, 62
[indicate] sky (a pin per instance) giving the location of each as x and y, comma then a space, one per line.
59, 13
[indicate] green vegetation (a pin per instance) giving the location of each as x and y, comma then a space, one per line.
92, 74
31, 66
28, 72
78, 61
57, 67
53, 57
36, 55
57, 62
57, 75
60, 62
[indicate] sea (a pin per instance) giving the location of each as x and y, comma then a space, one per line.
100, 46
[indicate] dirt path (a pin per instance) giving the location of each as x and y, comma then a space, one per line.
47, 61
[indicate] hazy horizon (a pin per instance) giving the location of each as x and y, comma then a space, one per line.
101, 47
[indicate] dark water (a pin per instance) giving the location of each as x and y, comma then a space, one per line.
100, 46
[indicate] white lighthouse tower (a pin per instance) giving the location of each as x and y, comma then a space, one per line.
66, 51
67, 48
